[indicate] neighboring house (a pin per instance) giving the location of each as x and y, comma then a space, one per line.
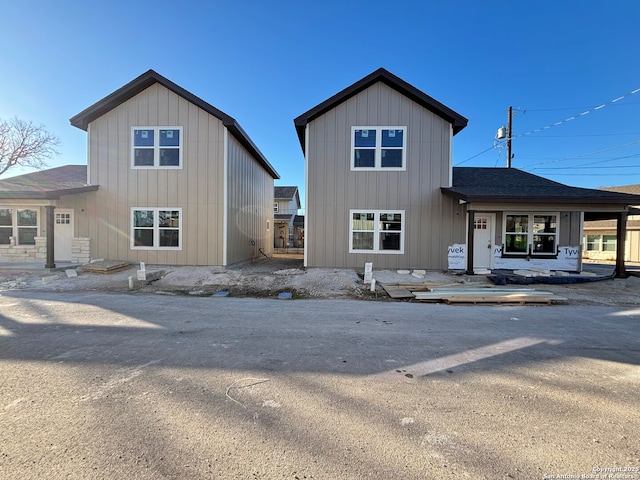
170, 180
600, 236
34, 205
286, 203
380, 187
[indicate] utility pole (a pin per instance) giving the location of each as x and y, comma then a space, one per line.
509, 117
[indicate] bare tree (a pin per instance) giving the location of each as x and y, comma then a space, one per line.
25, 144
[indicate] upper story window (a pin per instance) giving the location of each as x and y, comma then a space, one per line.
22, 224
378, 148
156, 147
276, 207
531, 234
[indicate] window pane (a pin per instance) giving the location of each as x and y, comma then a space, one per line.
362, 240
27, 236
143, 218
544, 244
143, 237
391, 158
5, 216
392, 138
143, 157
593, 242
364, 158
169, 138
27, 218
5, 233
365, 138
544, 224
143, 138
391, 221
516, 243
389, 241
363, 221
517, 223
169, 238
170, 157
609, 243
169, 218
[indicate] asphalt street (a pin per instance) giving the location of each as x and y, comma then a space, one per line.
154, 386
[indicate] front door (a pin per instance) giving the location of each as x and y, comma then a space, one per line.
483, 240
63, 235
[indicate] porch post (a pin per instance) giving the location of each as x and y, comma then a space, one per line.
621, 235
50, 236
471, 221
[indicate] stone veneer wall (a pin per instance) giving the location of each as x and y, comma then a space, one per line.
80, 251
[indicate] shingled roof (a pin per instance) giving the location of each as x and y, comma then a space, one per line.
144, 81
284, 192
47, 184
381, 75
510, 185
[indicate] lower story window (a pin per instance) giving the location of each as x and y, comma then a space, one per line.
531, 233
376, 231
601, 243
22, 224
157, 228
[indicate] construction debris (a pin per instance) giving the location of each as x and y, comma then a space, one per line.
460, 294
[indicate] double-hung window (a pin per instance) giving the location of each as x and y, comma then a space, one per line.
376, 231
601, 243
378, 148
22, 224
531, 233
156, 147
156, 228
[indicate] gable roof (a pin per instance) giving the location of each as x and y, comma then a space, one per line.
633, 189
47, 184
381, 75
284, 192
510, 185
144, 81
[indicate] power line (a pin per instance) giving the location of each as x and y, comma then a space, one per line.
569, 108
474, 156
583, 155
586, 112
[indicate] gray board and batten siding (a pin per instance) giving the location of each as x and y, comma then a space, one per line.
432, 221
214, 229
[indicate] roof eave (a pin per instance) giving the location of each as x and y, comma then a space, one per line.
46, 195
457, 121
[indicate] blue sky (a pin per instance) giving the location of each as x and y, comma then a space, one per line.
265, 63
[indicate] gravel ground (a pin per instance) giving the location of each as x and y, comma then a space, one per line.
268, 277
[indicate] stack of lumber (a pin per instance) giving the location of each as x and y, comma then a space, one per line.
105, 266
462, 294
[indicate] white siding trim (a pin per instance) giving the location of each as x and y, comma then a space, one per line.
450, 180
89, 154
225, 200
306, 193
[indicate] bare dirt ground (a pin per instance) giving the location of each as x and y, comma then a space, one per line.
270, 277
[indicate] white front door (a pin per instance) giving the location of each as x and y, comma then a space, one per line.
63, 235
483, 240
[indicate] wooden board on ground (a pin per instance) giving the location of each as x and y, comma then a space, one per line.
395, 291
106, 266
506, 299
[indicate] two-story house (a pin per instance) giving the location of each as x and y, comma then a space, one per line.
170, 179
287, 232
380, 187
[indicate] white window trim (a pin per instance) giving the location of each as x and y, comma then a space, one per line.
156, 229
378, 149
276, 207
376, 231
156, 148
530, 233
15, 228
